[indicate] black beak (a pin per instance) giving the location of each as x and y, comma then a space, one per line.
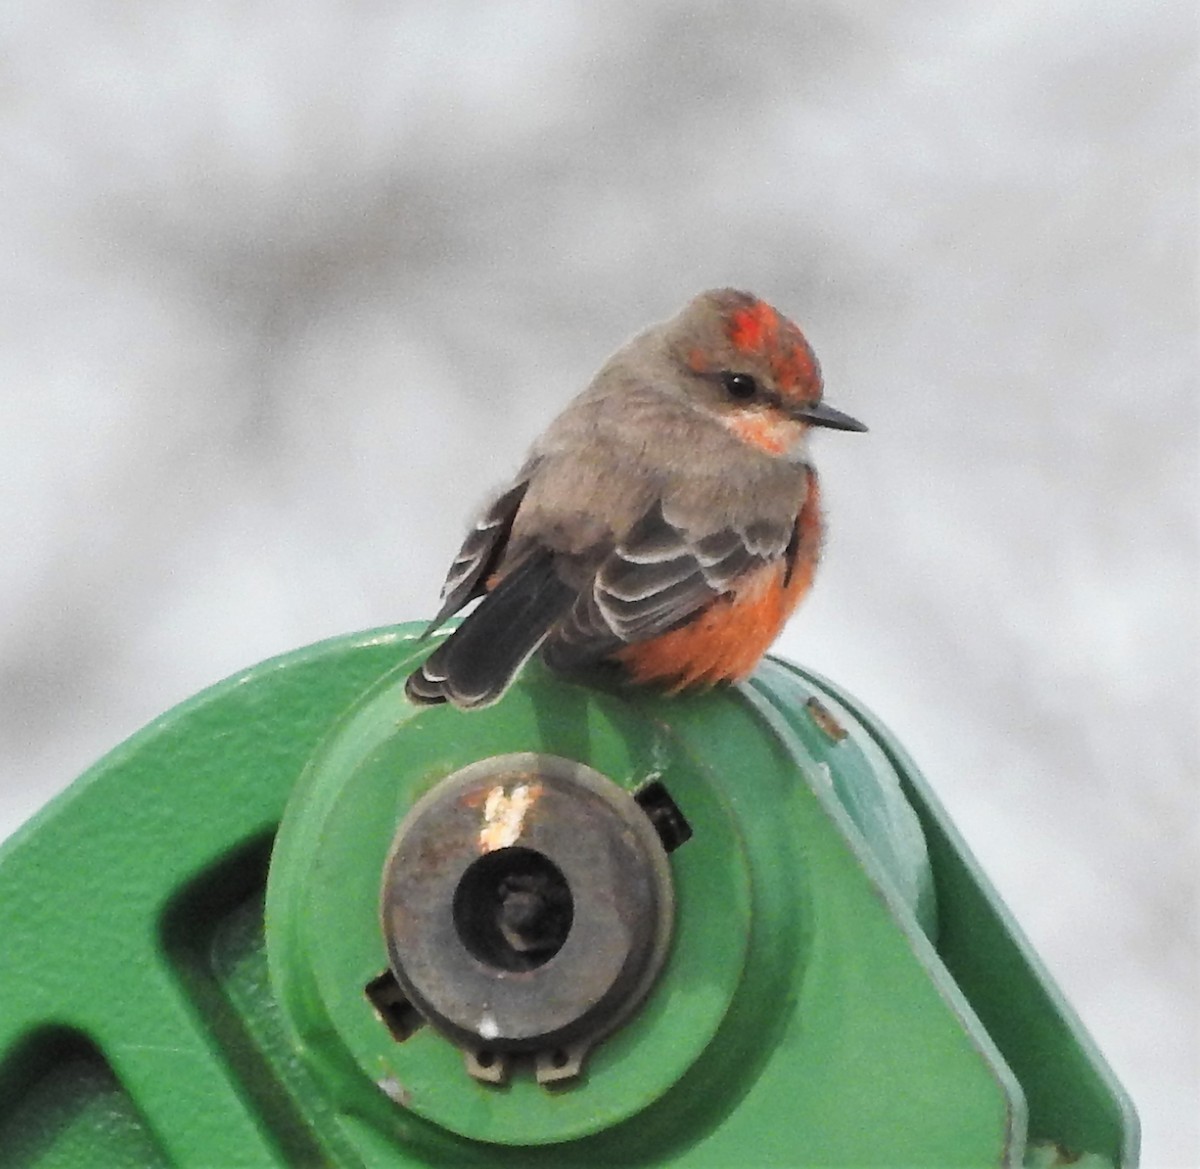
821, 415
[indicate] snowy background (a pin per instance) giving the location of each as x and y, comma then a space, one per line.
286, 288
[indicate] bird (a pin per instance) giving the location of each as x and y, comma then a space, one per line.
661, 529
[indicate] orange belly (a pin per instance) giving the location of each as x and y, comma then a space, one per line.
725, 641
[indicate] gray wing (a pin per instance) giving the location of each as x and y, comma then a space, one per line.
475, 665
659, 577
480, 554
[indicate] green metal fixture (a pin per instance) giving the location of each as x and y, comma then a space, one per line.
297, 921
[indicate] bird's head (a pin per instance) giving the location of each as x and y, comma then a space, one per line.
751, 367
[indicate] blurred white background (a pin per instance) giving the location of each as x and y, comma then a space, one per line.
287, 288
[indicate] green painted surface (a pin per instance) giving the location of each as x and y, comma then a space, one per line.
70, 1110
1075, 1101
825, 1002
87, 886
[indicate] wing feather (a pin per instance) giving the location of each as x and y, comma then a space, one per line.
658, 578
480, 554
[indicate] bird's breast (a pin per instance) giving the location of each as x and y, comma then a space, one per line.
725, 640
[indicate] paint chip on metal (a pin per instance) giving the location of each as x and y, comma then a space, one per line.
823, 717
394, 1090
504, 815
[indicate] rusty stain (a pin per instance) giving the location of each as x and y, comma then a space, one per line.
1065, 1156
504, 815
1055, 1155
438, 851
825, 721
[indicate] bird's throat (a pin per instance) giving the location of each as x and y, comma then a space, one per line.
776, 435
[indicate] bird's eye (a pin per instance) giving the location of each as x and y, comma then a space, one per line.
739, 385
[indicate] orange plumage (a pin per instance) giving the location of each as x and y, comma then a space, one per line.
726, 640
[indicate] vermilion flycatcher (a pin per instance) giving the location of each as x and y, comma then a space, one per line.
667, 522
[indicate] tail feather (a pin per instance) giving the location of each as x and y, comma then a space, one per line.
475, 665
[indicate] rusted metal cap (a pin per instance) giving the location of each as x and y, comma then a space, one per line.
527, 908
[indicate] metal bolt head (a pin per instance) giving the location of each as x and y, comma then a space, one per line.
527, 907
